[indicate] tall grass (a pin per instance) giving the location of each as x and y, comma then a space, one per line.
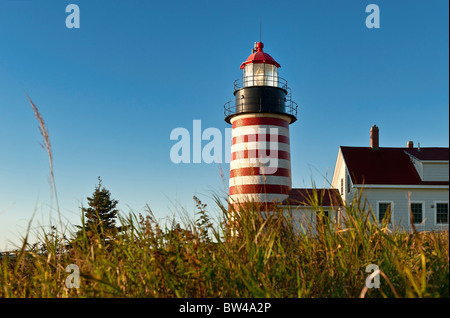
266, 258
246, 253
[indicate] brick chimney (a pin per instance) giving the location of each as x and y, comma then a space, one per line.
374, 137
410, 144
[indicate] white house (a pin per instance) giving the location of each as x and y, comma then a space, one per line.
308, 207
411, 182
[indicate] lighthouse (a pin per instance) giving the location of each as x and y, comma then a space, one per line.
260, 115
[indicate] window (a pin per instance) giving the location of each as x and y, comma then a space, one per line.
442, 213
275, 76
342, 186
268, 72
384, 210
323, 214
258, 73
248, 75
416, 211
322, 217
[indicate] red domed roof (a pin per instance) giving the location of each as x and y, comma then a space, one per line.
260, 57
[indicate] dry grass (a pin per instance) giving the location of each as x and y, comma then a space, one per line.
46, 145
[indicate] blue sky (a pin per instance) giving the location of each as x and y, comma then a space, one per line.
113, 90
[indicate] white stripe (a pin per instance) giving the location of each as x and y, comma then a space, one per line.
245, 163
257, 197
268, 179
284, 117
260, 129
260, 145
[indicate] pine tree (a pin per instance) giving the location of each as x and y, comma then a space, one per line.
100, 216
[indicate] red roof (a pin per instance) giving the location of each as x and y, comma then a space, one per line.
425, 154
260, 57
306, 197
388, 165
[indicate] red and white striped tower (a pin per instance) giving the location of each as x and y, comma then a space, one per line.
260, 114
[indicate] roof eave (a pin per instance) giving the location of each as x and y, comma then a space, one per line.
402, 186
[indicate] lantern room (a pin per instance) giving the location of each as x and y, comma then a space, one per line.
260, 69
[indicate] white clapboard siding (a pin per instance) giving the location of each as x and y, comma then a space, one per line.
401, 199
304, 218
435, 171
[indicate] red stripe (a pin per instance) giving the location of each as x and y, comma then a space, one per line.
260, 137
245, 154
260, 121
260, 188
255, 171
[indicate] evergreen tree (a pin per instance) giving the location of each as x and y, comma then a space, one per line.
100, 216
